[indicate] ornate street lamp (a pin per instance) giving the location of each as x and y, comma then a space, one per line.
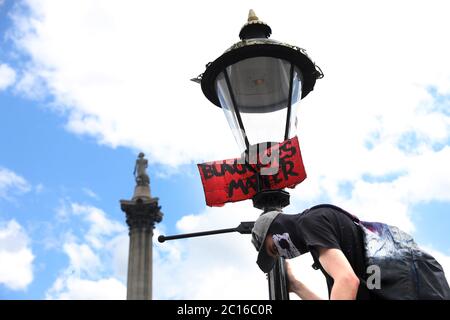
258, 83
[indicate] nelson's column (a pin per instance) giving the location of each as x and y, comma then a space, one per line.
142, 211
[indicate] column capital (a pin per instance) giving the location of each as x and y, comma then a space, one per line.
141, 213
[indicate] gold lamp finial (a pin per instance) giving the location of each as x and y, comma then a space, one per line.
252, 16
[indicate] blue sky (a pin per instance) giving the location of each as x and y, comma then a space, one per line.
85, 86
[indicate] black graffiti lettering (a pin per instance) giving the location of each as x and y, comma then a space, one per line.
228, 168
216, 172
222, 169
237, 184
288, 150
240, 169
287, 167
207, 171
252, 183
287, 170
244, 185
285, 163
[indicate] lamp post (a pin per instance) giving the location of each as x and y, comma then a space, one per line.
258, 83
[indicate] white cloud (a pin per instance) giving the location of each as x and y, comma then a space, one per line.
114, 101
11, 183
99, 225
118, 249
424, 177
133, 75
16, 267
82, 258
73, 288
7, 76
96, 257
31, 85
91, 193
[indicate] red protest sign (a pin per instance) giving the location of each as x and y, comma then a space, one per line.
232, 180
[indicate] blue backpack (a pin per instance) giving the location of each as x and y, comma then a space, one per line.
406, 271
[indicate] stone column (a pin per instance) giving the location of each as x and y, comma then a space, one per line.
142, 212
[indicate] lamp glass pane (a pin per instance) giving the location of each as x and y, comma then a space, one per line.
260, 88
228, 109
265, 127
296, 97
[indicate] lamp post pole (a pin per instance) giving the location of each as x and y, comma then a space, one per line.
277, 279
269, 201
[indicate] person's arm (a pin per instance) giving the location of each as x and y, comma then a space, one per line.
297, 287
346, 283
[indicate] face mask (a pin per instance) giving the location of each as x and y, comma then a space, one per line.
285, 247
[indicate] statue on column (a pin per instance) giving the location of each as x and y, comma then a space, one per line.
140, 171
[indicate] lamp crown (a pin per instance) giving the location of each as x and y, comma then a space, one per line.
254, 28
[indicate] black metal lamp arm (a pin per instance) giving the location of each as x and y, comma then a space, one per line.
243, 228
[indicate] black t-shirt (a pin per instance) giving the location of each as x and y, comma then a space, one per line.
323, 227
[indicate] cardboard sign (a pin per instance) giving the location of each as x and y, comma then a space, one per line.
233, 180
